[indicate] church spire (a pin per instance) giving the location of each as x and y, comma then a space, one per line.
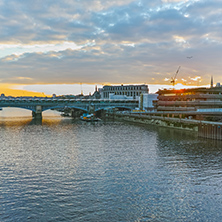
211, 82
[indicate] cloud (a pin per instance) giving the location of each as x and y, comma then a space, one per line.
130, 41
19, 49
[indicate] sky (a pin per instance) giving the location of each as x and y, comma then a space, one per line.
54, 46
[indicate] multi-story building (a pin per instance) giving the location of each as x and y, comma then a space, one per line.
126, 91
194, 99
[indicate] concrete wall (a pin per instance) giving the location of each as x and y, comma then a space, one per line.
176, 123
204, 129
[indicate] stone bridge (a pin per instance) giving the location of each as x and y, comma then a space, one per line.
39, 105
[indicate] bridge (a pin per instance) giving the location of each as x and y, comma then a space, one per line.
40, 104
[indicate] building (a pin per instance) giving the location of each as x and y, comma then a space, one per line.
146, 101
192, 100
124, 91
96, 94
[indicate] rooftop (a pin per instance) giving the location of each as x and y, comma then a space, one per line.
201, 90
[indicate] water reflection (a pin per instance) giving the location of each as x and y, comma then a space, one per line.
20, 112
62, 169
193, 168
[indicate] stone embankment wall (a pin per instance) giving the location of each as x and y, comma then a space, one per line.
211, 130
177, 123
205, 129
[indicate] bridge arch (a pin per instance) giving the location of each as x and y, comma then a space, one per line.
113, 107
21, 107
39, 105
62, 107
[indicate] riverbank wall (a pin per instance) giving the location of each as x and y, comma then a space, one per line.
204, 129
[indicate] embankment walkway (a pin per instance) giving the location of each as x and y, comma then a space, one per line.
205, 129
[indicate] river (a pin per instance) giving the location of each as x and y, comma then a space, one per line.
62, 169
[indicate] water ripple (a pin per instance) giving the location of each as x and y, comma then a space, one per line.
70, 171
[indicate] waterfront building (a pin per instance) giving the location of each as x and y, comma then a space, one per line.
193, 99
123, 91
146, 101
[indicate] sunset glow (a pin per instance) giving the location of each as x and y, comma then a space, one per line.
115, 42
9, 90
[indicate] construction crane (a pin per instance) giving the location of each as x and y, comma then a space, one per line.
173, 79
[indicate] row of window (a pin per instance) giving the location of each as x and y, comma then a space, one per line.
106, 94
112, 88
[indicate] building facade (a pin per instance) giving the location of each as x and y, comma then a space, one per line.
146, 101
126, 91
195, 99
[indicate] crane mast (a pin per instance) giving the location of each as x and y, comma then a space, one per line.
173, 79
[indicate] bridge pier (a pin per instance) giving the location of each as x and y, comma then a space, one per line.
91, 108
76, 113
37, 114
38, 105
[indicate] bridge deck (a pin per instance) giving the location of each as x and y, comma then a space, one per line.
53, 103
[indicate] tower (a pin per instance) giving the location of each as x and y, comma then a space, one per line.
211, 82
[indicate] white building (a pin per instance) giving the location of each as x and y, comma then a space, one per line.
128, 91
146, 101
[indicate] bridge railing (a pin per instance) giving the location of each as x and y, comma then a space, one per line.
23, 102
18, 100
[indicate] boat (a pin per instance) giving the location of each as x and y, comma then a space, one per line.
89, 117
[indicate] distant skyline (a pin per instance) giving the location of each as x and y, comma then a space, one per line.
74, 89
47, 43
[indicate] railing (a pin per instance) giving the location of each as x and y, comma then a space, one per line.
189, 103
194, 96
48, 103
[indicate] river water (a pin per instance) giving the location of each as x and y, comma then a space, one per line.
62, 169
